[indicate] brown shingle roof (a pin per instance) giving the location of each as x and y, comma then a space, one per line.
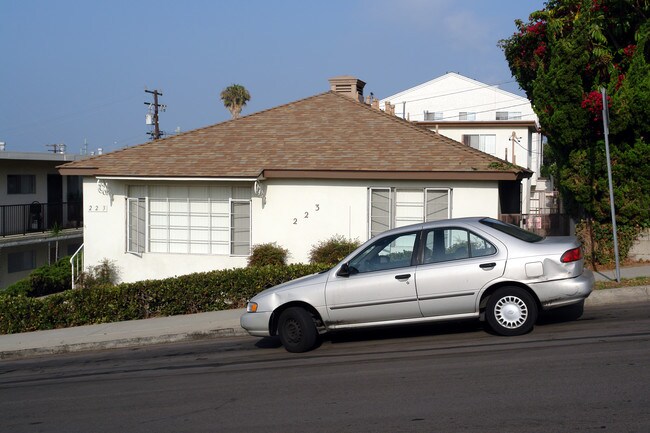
326, 135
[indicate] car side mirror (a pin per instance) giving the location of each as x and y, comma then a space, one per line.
344, 271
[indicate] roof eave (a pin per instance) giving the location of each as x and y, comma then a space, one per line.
396, 175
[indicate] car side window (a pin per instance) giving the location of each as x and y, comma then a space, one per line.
479, 247
386, 253
444, 244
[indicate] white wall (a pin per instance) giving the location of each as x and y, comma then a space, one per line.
526, 151
453, 93
296, 214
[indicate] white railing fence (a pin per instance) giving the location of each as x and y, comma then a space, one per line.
77, 264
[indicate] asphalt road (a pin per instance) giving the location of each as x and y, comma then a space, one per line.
589, 375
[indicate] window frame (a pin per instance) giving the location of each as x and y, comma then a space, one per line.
21, 184
507, 115
140, 229
233, 229
16, 261
185, 220
481, 139
393, 207
433, 116
373, 251
447, 243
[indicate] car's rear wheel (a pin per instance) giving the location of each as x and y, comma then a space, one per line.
511, 311
297, 330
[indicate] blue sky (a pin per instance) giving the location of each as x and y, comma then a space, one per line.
75, 70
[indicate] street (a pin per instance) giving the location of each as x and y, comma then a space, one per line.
564, 376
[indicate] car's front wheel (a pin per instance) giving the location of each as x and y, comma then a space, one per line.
511, 311
297, 330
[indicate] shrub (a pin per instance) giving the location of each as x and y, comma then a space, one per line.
598, 241
50, 279
333, 250
268, 254
19, 288
103, 274
193, 293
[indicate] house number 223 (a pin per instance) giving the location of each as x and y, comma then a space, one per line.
97, 208
306, 215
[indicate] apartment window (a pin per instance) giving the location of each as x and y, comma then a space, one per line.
21, 261
397, 207
508, 115
465, 115
21, 184
484, 142
432, 115
192, 220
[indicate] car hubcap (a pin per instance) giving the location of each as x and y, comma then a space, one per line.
293, 331
511, 312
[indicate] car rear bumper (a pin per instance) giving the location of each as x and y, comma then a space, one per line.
256, 324
559, 293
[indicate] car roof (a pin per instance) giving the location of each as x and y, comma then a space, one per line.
434, 224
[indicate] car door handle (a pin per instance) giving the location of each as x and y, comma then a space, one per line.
402, 277
487, 265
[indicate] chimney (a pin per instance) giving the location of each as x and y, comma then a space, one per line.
348, 86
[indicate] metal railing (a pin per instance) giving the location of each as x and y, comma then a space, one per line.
77, 264
21, 219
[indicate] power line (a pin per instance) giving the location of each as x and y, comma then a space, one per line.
450, 93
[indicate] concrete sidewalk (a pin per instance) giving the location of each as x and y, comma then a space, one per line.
214, 324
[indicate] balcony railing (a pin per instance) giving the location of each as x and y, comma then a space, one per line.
21, 219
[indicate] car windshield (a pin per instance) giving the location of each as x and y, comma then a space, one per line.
511, 230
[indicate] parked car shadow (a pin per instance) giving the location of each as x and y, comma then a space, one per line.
406, 331
385, 333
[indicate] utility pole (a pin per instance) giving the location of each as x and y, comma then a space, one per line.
514, 140
156, 133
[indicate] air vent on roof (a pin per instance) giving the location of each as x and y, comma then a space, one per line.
348, 86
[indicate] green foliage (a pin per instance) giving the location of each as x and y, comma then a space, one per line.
268, 254
19, 288
193, 293
598, 241
51, 279
234, 98
103, 274
332, 250
562, 57
45, 280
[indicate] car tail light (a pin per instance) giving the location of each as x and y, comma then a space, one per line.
572, 255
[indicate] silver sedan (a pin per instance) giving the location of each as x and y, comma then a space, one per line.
443, 270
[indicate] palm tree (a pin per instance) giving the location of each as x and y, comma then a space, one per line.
234, 98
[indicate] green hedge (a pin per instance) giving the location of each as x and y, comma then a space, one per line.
45, 280
187, 294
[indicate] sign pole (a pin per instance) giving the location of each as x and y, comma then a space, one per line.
609, 178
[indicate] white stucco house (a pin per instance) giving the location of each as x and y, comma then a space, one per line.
484, 117
295, 174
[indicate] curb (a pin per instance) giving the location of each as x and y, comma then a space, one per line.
122, 343
624, 295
